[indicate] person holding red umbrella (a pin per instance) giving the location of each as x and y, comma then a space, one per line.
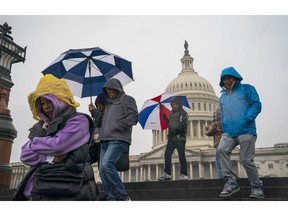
177, 125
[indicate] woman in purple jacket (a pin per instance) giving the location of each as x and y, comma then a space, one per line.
57, 146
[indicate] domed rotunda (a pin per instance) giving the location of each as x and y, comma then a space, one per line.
202, 100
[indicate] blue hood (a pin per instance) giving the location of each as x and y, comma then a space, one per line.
229, 71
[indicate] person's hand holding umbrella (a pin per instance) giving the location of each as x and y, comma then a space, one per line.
91, 107
164, 116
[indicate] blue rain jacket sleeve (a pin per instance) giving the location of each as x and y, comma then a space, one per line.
254, 103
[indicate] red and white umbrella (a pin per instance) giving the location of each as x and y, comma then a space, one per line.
152, 111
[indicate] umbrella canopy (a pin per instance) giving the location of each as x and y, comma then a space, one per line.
151, 115
87, 70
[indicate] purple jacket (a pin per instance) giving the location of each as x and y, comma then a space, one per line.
72, 136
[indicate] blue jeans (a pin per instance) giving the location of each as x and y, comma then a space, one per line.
218, 164
112, 184
180, 146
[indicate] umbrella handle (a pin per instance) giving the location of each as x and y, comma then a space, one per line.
89, 67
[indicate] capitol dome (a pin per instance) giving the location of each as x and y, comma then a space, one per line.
187, 82
202, 100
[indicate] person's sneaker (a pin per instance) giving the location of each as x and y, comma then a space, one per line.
126, 198
165, 177
183, 177
229, 189
257, 193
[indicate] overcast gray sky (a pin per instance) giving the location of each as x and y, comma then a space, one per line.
256, 46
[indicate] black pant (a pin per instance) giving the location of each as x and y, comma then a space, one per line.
180, 146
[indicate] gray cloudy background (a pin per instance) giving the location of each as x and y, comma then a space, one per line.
256, 46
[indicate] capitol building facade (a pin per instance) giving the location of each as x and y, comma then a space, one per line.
200, 153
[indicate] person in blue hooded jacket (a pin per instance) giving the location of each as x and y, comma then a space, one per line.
239, 106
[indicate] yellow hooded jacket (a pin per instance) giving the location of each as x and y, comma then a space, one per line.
49, 84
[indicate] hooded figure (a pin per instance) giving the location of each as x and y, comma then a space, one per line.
101, 103
101, 99
177, 124
240, 105
120, 115
97, 113
178, 121
58, 141
115, 135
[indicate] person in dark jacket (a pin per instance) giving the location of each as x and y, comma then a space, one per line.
239, 106
216, 131
177, 129
97, 112
57, 149
115, 135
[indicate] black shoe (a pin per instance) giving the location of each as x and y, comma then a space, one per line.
257, 193
125, 198
229, 190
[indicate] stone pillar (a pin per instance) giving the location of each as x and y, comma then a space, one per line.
129, 174
157, 172
211, 170
198, 129
200, 169
10, 53
137, 176
122, 176
7, 135
141, 173
149, 172
173, 171
239, 169
191, 129
191, 170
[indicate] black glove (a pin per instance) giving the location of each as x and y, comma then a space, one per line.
165, 118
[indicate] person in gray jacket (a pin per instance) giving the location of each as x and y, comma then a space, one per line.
115, 135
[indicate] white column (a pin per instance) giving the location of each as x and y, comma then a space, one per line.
191, 129
211, 170
157, 171
239, 169
122, 176
141, 174
173, 171
199, 129
200, 169
191, 170
144, 174
136, 175
206, 124
149, 172
129, 174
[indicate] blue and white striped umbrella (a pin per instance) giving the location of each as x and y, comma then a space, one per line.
87, 70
